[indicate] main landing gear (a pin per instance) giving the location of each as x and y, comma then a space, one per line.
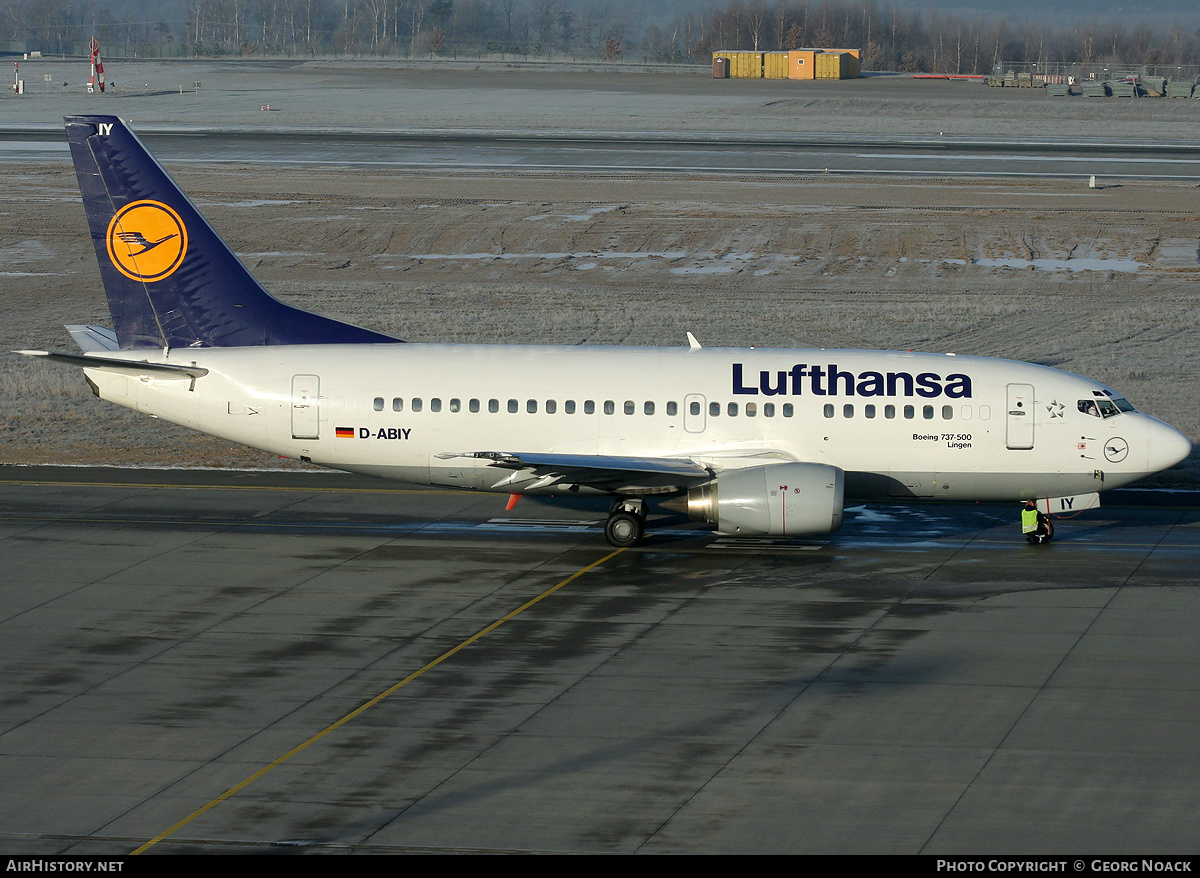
626, 523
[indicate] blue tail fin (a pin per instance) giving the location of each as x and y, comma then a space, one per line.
170, 279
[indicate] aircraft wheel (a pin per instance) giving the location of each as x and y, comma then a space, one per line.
624, 529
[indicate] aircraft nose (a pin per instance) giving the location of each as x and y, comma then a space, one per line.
1166, 447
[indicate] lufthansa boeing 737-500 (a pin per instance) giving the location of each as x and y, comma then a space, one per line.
752, 441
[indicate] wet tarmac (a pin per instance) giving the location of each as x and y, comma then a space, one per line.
921, 681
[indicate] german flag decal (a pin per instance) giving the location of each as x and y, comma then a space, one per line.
344, 432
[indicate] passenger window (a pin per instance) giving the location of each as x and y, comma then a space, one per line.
648, 408
909, 412
889, 411
630, 408
927, 412
768, 409
397, 404
493, 405
694, 407
751, 409
672, 409
732, 409
714, 409
435, 405
473, 405
417, 404
847, 411
947, 412
610, 407
569, 406
829, 410
531, 406
379, 403
513, 406
456, 405
589, 407
788, 410
551, 406
869, 411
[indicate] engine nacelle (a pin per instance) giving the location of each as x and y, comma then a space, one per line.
785, 499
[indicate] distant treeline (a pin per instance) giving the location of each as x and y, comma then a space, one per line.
899, 39
891, 37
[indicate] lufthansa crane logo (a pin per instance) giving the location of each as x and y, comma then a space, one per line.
1116, 449
147, 241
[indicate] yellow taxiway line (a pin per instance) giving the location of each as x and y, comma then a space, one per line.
369, 704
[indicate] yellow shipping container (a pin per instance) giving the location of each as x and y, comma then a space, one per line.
795, 64
775, 65
829, 65
749, 65
837, 65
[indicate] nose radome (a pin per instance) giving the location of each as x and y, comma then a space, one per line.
1166, 447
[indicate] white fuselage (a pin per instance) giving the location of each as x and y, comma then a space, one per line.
899, 424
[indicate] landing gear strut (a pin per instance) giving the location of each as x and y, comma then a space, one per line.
626, 523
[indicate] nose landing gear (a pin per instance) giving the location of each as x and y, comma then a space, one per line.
626, 523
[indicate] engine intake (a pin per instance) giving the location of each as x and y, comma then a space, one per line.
785, 499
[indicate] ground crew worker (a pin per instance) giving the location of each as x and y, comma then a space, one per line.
1034, 524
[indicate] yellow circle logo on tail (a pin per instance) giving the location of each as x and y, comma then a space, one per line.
147, 241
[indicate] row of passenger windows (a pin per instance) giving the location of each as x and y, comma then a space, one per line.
909, 412
588, 407
715, 409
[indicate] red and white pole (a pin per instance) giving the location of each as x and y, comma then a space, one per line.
97, 65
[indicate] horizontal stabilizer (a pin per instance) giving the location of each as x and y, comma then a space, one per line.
129, 367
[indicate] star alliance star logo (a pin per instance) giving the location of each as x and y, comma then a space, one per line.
1055, 408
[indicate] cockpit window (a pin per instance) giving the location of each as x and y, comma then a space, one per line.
1105, 408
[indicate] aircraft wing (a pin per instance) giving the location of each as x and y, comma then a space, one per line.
640, 475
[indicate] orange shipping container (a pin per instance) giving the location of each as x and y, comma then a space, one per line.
802, 64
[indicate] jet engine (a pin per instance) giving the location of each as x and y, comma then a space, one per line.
784, 499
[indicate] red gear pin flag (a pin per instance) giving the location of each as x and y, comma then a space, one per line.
97, 64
